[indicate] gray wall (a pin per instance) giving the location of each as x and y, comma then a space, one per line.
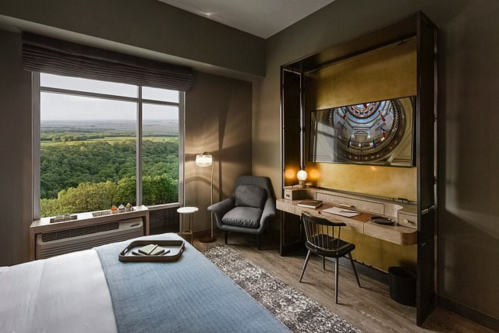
468, 260
15, 151
145, 25
218, 121
469, 133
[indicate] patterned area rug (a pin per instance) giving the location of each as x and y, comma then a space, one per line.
295, 310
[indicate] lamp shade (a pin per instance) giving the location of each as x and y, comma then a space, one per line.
204, 160
301, 175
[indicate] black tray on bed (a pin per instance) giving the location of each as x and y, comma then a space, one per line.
176, 248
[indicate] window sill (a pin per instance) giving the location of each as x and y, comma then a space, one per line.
164, 206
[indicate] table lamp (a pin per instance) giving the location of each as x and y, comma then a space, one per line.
302, 177
205, 160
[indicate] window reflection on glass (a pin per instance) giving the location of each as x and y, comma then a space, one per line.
160, 150
158, 94
86, 85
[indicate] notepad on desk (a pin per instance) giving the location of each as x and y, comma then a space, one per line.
310, 203
342, 212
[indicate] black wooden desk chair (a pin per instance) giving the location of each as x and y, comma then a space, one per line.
323, 241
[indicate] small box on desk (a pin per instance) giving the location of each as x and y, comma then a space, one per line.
296, 193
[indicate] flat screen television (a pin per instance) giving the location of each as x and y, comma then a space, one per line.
372, 133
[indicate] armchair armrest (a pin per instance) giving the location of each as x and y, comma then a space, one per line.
221, 208
269, 212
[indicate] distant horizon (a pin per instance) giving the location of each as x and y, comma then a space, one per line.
109, 125
104, 120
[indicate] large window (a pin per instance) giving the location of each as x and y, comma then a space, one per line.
104, 144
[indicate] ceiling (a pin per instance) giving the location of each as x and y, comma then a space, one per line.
262, 18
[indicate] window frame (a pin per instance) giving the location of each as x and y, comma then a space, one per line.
37, 90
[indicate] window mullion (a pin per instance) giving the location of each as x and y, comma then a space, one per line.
181, 148
139, 149
36, 95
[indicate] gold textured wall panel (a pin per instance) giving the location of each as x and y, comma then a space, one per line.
374, 180
389, 72
386, 73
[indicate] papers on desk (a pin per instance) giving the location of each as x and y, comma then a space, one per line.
342, 212
310, 203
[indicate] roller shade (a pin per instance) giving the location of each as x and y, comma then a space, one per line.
54, 56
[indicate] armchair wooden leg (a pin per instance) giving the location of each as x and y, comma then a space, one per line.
305, 265
226, 236
354, 269
336, 275
259, 242
323, 263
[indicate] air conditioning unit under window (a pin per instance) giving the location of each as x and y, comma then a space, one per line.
70, 240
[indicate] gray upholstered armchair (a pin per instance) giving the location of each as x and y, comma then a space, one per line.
249, 209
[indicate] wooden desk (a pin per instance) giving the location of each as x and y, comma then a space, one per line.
399, 212
361, 223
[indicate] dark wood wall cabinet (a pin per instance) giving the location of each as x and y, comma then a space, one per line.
294, 120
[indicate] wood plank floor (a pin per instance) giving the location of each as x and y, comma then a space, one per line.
369, 308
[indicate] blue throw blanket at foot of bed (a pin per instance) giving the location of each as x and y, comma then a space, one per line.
189, 295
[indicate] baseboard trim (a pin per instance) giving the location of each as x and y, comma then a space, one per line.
478, 317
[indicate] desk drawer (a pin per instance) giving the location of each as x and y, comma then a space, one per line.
296, 194
311, 211
407, 220
353, 224
357, 204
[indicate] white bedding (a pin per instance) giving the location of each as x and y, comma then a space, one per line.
51, 302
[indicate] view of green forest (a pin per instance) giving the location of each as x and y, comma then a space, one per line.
88, 167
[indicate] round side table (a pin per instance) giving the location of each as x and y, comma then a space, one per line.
188, 213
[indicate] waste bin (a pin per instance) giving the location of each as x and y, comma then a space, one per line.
402, 282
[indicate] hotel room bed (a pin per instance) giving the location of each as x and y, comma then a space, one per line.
92, 291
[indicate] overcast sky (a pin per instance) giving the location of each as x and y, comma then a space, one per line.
69, 107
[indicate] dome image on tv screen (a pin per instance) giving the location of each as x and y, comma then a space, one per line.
377, 132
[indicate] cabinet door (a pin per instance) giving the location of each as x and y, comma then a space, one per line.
292, 148
425, 161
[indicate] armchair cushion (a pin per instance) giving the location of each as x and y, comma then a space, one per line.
250, 196
247, 217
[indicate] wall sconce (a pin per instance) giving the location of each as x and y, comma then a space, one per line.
205, 160
302, 177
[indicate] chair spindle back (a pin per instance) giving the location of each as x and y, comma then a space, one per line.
320, 233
